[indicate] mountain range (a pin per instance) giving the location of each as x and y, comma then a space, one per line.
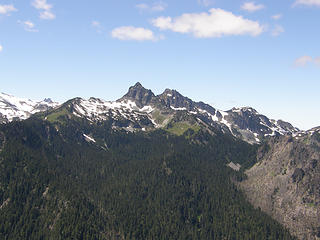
141, 109
14, 108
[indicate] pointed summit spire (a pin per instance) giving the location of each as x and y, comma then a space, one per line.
139, 94
137, 85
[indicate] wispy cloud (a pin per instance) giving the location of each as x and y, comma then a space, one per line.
205, 3
277, 30
45, 8
47, 15
303, 61
1, 48
317, 61
276, 17
28, 26
133, 33
155, 7
97, 26
216, 23
7, 9
307, 2
252, 6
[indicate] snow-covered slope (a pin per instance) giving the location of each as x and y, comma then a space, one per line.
14, 108
141, 109
124, 113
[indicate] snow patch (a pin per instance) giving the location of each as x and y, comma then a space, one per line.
178, 109
88, 138
147, 109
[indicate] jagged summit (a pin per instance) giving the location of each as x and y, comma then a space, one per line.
244, 109
138, 85
48, 100
141, 109
140, 95
174, 99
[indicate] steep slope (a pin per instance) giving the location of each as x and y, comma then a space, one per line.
77, 179
285, 182
13, 108
141, 96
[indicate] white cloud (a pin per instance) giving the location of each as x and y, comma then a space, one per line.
7, 9
28, 26
303, 61
133, 33
47, 15
45, 9
217, 23
278, 29
1, 48
42, 4
307, 2
276, 17
155, 7
252, 6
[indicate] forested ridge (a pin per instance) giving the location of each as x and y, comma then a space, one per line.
146, 185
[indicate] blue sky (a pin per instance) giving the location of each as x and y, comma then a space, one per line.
264, 54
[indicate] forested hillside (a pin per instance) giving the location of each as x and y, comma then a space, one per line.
58, 183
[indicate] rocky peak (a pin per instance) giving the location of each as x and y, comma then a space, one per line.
287, 126
245, 110
174, 99
311, 131
48, 100
139, 94
249, 109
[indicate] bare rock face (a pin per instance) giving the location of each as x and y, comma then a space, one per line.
140, 95
285, 183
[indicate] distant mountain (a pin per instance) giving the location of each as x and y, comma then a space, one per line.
14, 108
141, 109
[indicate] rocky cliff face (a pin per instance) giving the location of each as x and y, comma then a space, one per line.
285, 183
140, 95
